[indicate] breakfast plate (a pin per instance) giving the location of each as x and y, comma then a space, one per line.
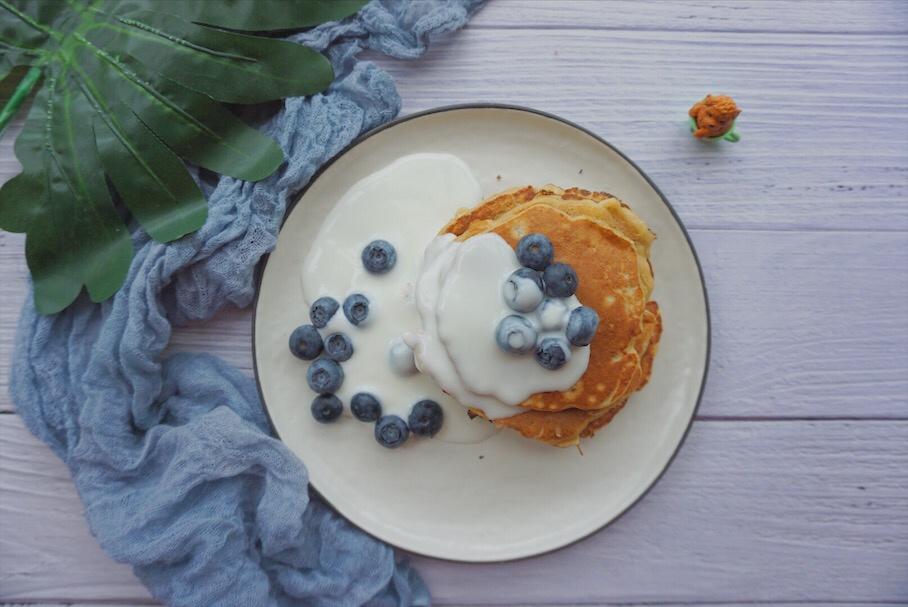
494, 496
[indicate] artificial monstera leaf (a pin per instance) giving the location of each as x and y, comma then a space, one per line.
130, 89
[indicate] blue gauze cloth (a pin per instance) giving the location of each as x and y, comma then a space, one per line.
172, 457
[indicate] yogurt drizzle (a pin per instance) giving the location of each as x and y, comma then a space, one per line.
458, 296
443, 299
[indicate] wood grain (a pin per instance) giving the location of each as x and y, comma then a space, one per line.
623, 604
816, 16
809, 158
750, 511
13, 286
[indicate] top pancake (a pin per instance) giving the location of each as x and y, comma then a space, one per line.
591, 234
576, 202
565, 428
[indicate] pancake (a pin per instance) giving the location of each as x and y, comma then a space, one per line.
566, 427
575, 202
608, 245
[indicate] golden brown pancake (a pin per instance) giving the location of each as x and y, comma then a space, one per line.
608, 246
575, 202
566, 427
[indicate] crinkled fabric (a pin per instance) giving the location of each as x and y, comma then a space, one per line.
172, 456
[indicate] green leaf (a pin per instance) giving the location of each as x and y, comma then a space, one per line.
193, 125
75, 236
231, 67
150, 178
23, 36
131, 89
261, 15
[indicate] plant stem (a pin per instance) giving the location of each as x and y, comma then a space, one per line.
15, 101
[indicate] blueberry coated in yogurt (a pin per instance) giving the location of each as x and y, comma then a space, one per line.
552, 353
515, 335
523, 290
540, 293
581, 326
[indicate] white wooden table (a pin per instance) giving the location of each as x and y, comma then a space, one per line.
793, 484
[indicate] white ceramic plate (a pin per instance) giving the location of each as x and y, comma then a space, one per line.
507, 497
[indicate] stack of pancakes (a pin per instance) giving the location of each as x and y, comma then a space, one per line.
608, 246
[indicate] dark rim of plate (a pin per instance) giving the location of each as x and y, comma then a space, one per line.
260, 269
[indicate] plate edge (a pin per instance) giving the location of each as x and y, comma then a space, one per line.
263, 262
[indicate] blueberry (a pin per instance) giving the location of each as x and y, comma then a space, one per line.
425, 418
552, 314
515, 334
391, 432
560, 280
535, 251
552, 353
401, 358
356, 308
582, 325
326, 408
325, 376
305, 342
365, 407
338, 347
379, 257
322, 310
523, 290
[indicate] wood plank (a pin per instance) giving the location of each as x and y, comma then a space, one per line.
867, 16
749, 511
809, 158
79, 604
55, 558
748, 604
13, 287
13, 270
805, 324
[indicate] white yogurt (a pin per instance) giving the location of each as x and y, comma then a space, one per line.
406, 204
460, 303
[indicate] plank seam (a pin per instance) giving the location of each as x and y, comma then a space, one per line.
674, 603
606, 28
755, 419
805, 230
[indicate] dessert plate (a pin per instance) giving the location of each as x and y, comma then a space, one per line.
505, 497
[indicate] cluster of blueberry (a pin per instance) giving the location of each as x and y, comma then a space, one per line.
325, 375
540, 287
